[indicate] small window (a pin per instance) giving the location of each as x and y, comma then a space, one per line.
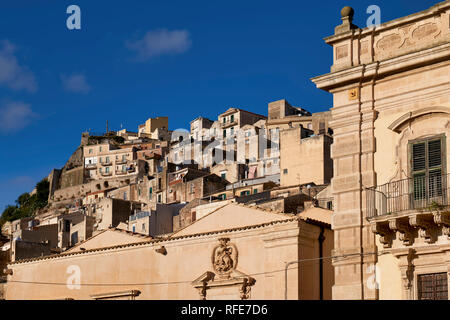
285, 171
224, 133
90, 150
232, 118
255, 191
329, 205
125, 195
224, 176
67, 225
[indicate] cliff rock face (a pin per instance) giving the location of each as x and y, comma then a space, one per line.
73, 171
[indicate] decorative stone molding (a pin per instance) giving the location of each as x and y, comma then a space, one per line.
246, 288
208, 281
425, 226
385, 233
399, 123
406, 265
442, 219
403, 230
224, 258
227, 278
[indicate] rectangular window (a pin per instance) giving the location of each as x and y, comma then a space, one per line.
285, 171
255, 191
224, 176
125, 195
90, 150
107, 170
224, 133
231, 131
232, 118
159, 198
66, 225
427, 169
329, 205
224, 120
433, 286
107, 159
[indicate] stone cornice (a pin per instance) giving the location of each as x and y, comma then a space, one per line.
367, 72
436, 9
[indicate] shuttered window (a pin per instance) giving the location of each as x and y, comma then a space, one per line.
426, 166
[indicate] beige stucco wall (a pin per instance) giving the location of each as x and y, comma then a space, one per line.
262, 252
306, 160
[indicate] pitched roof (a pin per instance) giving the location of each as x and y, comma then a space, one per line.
231, 216
317, 214
109, 237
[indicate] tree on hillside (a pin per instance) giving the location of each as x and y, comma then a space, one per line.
26, 204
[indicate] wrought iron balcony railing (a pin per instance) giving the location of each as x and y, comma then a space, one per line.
413, 194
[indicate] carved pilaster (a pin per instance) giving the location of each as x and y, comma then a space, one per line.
246, 288
424, 225
406, 265
403, 230
202, 290
385, 233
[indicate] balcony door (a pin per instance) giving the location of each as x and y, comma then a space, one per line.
429, 183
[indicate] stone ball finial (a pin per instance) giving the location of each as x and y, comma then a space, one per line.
347, 12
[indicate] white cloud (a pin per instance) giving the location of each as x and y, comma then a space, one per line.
15, 116
12, 74
159, 42
75, 83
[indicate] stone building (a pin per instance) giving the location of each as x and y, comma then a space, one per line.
304, 158
390, 117
234, 252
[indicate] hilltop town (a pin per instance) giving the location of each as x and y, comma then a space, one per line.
349, 203
154, 181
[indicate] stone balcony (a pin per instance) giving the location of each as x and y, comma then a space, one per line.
410, 209
228, 124
91, 166
106, 163
121, 161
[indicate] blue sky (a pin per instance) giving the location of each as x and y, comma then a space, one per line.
137, 59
